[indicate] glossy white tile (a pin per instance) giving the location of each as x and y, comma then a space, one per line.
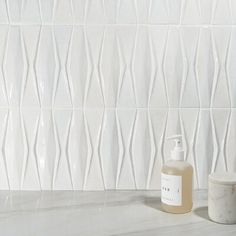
90, 89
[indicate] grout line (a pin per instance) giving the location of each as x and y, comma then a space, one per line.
115, 24
115, 108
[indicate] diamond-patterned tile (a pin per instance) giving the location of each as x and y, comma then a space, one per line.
174, 67
45, 149
46, 66
91, 89
15, 57
205, 67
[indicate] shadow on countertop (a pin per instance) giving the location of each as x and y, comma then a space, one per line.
202, 212
153, 202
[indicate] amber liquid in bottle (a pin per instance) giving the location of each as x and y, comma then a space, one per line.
185, 170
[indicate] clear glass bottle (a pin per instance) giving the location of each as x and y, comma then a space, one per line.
176, 181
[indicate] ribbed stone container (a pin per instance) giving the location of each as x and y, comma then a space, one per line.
222, 198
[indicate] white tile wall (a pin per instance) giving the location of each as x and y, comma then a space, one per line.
90, 89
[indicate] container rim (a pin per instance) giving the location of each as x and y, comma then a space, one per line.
224, 178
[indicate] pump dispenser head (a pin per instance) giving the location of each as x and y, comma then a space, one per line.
177, 153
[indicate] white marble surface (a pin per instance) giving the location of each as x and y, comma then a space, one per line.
101, 213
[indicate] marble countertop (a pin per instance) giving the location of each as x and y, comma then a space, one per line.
101, 213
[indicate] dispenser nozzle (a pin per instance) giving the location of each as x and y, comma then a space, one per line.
177, 153
177, 139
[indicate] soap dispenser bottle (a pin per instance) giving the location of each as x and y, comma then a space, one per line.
176, 181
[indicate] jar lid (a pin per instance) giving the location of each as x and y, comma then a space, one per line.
223, 178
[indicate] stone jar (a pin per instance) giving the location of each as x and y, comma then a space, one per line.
222, 198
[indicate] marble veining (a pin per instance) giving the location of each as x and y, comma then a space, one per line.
67, 213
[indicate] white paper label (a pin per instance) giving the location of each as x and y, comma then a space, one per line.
171, 189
